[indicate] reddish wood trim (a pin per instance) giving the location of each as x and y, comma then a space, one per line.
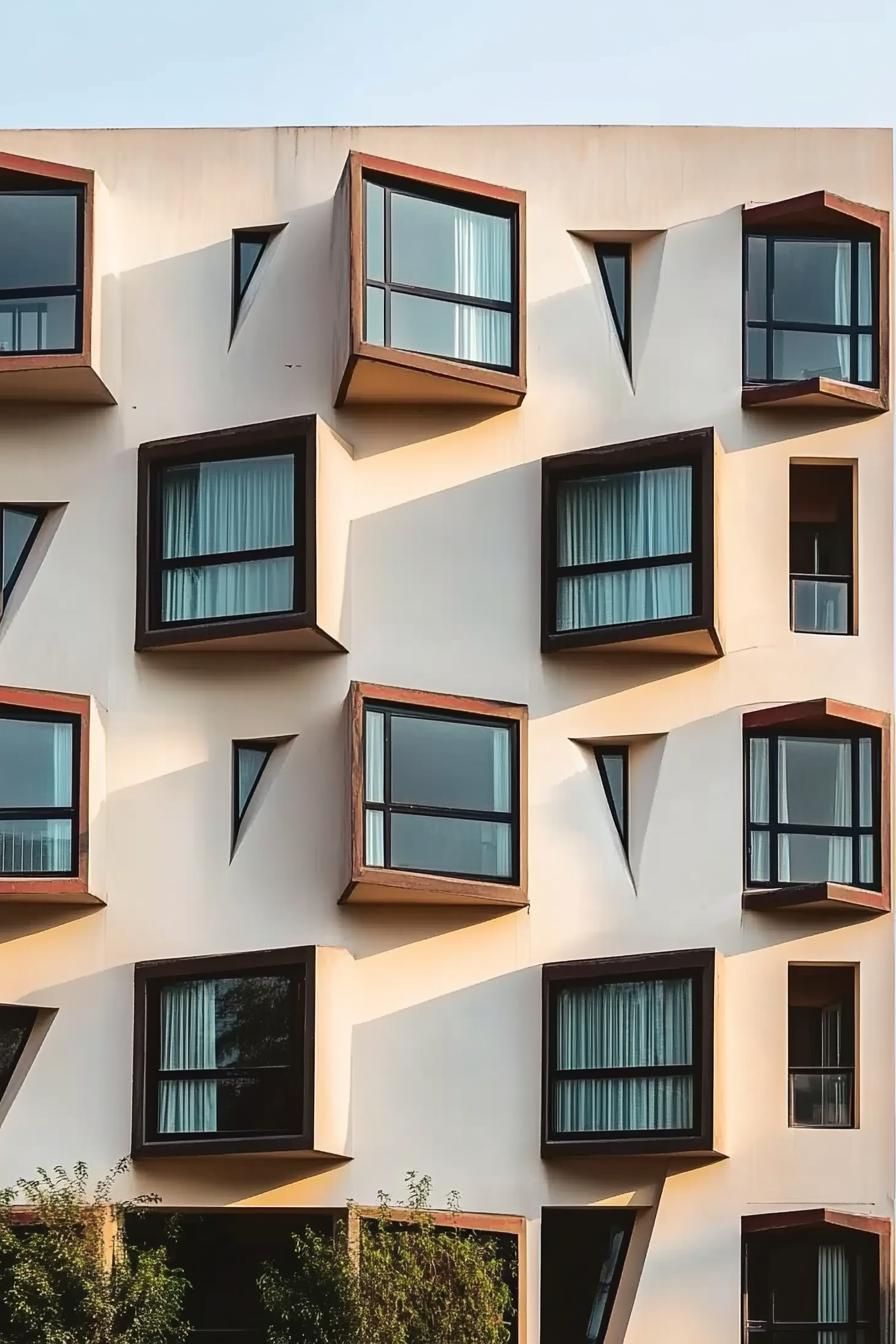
816, 711
62, 172
56, 702
392, 883
451, 370
434, 177
823, 393
819, 897
797, 1218
811, 206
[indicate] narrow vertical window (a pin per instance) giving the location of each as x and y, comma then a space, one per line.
821, 1046
18, 529
39, 792
615, 262
582, 1255
249, 761
16, 1024
822, 598
248, 248
612, 762
42, 269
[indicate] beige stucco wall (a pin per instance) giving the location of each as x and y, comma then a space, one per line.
444, 591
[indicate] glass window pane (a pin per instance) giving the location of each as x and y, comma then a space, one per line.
40, 240
759, 857
813, 281
374, 244
821, 1099
255, 1104
759, 779
821, 606
48, 323
814, 781
374, 844
451, 845
15, 1028
756, 278
241, 505
448, 763
35, 763
809, 857
864, 302
240, 589
757, 354
622, 1105
587, 601
614, 267
614, 770
447, 247
38, 845
374, 315
229, 1022
865, 373
250, 763
374, 755
250, 249
627, 515
866, 860
453, 330
866, 790
17, 530
629, 1023
810, 354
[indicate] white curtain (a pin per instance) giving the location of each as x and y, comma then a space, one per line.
833, 1292
842, 297
628, 1024
482, 268
188, 1041
217, 507
502, 801
759, 804
374, 783
35, 845
604, 1286
627, 516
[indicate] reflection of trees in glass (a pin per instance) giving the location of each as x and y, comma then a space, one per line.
255, 1017
15, 1025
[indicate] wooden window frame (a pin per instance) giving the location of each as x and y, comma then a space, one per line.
388, 885
696, 632
148, 976
276, 630
832, 718
627, 1217
814, 1223
824, 214
700, 964
52, 706
435, 378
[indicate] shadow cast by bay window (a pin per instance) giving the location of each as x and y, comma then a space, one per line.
628, 1056
628, 548
49, 299
816, 1276
242, 540
47, 798
248, 1053
817, 794
431, 287
438, 812
816, 305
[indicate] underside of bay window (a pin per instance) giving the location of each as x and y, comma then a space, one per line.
432, 287
816, 792
628, 548
438, 789
628, 1055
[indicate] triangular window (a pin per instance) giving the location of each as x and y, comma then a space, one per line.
614, 261
15, 1027
612, 762
249, 761
248, 249
18, 529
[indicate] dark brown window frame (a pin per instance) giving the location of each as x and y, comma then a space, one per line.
834, 718
694, 448
625, 1216
150, 974
823, 213
814, 1222
388, 885
700, 963
52, 888
852, 579
826, 1070
276, 630
461, 383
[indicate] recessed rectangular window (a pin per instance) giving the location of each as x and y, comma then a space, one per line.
810, 308
440, 793
614, 261
626, 547
440, 273
41, 270
582, 1256
813, 812
821, 549
40, 759
821, 1046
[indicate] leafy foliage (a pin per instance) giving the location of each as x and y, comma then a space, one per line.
406, 1281
67, 1276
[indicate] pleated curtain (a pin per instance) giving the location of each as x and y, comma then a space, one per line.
833, 1292
218, 507
482, 268
188, 1041
629, 1024
43, 845
626, 516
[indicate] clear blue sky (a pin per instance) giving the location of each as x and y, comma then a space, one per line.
235, 62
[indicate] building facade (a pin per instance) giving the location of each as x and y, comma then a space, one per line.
448, 586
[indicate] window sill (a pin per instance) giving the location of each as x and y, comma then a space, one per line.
818, 898
281, 1145
386, 886
283, 633
376, 374
692, 636
694, 1146
46, 890
63, 378
828, 394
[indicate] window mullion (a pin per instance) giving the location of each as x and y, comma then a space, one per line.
773, 808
